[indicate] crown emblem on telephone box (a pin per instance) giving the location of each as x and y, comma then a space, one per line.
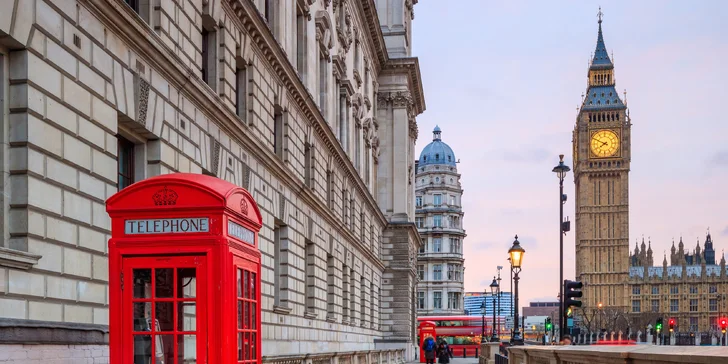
165, 197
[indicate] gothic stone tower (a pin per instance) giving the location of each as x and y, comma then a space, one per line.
601, 141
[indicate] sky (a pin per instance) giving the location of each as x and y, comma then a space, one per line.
503, 80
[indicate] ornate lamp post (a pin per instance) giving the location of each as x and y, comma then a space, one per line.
561, 171
494, 290
499, 299
516, 252
482, 312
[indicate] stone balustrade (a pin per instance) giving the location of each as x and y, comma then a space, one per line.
391, 356
603, 354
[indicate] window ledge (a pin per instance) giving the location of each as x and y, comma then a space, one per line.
310, 314
17, 259
331, 318
282, 310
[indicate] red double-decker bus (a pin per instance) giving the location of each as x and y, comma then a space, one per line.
461, 332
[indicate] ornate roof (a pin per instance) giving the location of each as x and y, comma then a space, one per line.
601, 57
437, 152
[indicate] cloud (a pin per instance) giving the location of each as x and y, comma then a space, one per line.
725, 231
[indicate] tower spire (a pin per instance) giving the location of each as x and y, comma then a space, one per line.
601, 57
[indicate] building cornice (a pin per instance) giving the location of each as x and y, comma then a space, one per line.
139, 37
371, 20
410, 66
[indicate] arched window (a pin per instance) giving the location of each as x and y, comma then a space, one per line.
437, 156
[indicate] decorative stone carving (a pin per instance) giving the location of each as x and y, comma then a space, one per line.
214, 155
142, 99
323, 32
328, 2
345, 31
368, 131
410, 5
375, 149
402, 99
413, 130
357, 101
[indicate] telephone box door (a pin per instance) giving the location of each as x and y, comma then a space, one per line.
162, 311
248, 296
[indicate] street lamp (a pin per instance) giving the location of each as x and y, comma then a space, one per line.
516, 252
482, 312
499, 299
493, 291
561, 171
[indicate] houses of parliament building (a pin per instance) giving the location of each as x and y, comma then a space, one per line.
692, 288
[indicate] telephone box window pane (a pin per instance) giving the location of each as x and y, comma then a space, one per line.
163, 278
245, 286
164, 349
246, 315
240, 315
253, 351
252, 285
142, 348
164, 314
187, 278
240, 283
142, 283
186, 349
142, 316
246, 347
187, 316
253, 317
240, 346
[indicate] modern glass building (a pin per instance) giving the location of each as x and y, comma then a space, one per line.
473, 300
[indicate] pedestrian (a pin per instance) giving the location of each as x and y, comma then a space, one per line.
443, 353
566, 340
429, 347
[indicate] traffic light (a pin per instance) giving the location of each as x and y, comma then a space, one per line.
548, 324
671, 325
658, 325
572, 289
723, 324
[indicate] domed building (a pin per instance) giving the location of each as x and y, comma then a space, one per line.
439, 219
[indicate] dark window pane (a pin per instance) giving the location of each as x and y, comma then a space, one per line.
240, 346
163, 282
253, 317
187, 278
142, 316
142, 283
246, 315
240, 314
164, 314
164, 346
240, 283
142, 348
253, 346
246, 346
245, 287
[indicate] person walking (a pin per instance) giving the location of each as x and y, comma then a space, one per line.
430, 348
443, 353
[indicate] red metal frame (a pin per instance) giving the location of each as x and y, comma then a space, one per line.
225, 242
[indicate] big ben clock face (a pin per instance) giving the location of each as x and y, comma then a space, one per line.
604, 143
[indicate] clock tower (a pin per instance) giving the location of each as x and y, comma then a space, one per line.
601, 158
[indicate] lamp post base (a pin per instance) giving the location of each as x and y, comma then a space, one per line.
517, 339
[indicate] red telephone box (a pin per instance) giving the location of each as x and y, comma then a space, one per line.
427, 329
184, 272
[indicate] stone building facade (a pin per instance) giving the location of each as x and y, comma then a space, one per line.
290, 99
602, 153
439, 219
692, 288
